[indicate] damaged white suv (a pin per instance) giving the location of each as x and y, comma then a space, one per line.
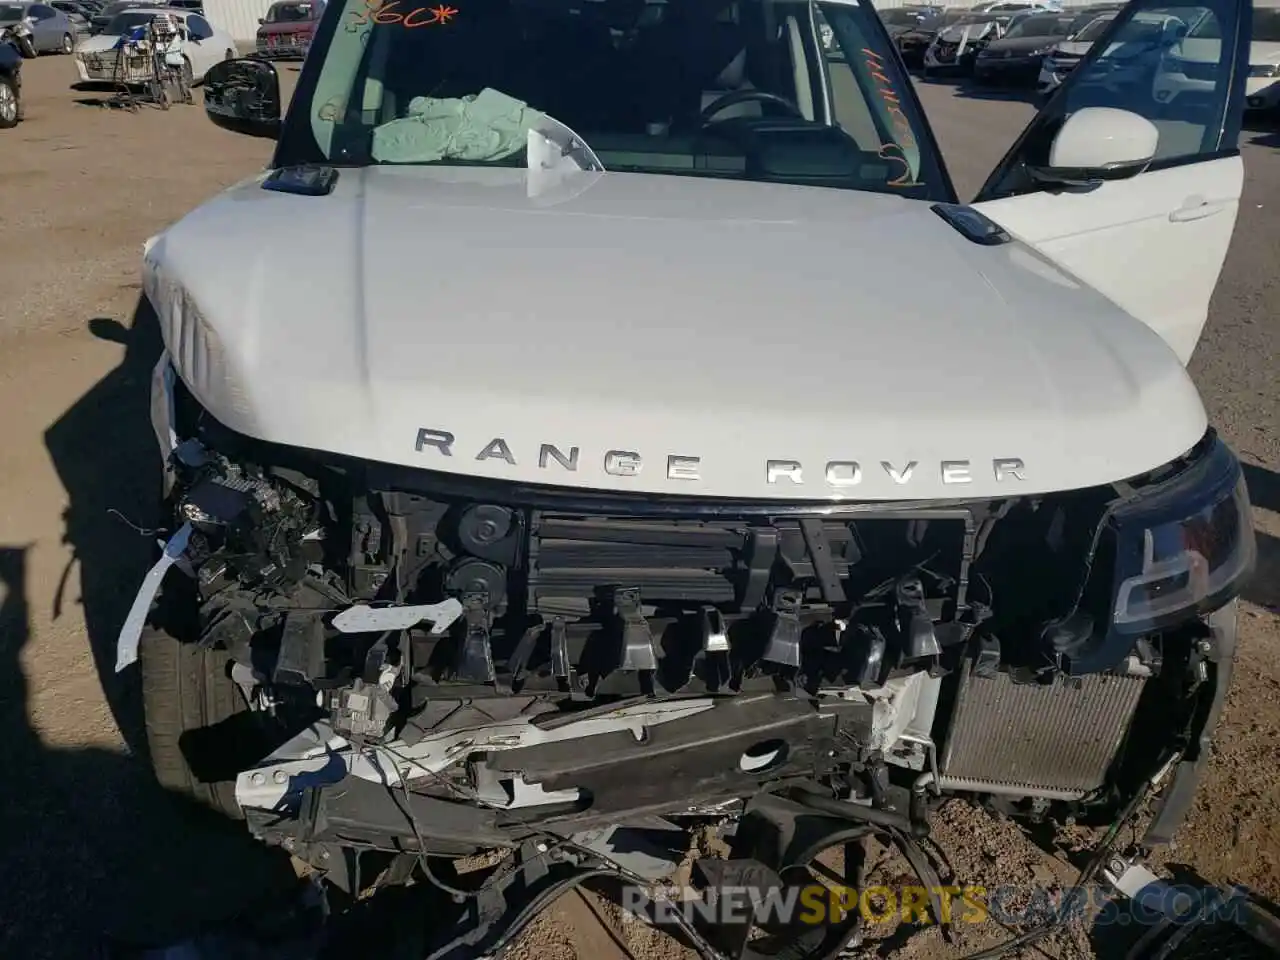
605, 456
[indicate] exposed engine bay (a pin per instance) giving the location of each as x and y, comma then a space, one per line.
447, 667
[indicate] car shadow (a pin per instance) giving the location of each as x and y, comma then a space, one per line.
94, 846
1264, 493
108, 103
108, 461
1264, 123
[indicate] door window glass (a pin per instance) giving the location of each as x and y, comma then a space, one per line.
1169, 64
199, 28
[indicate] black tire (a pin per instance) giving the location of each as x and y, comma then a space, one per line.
187, 689
11, 113
68, 44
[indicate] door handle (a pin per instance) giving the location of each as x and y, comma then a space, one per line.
1196, 211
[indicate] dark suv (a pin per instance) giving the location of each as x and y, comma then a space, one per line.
10, 85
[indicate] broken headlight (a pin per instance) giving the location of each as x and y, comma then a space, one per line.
1185, 548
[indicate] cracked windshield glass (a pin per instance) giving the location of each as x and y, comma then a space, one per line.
768, 90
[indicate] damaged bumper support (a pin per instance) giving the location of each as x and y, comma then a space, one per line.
542, 770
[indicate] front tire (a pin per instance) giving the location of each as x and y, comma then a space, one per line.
187, 689
68, 44
10, 107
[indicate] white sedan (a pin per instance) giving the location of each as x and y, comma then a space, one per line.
1191, 66
97, 59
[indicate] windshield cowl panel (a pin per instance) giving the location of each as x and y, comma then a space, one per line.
779, 91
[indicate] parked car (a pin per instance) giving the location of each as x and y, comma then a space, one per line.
1017, 55
108, 11
77, 13
51, 30
968, 532
955, 49
204, 45
900, 20
1191, 64
1136, 49
10, 83
914, 40
286, 31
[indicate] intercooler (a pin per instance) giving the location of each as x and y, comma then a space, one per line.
1055, 741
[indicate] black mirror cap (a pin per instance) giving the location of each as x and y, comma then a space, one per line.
243, 96
1085, 179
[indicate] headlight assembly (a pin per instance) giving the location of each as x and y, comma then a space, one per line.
1184, 548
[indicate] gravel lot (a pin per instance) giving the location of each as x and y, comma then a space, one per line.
90, 844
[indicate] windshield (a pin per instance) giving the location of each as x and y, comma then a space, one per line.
1094, 30
970, 19
11, 12
1039, 26
289, 13
733, 89
111, 9
900, 17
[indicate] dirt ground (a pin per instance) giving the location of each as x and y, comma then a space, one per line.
91, 845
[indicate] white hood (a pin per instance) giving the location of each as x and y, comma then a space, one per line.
672, 317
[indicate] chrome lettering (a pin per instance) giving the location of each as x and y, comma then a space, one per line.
783, 468
548, 452
1008, 467
622, 463
684, 468
896, 475
497, 448
843, 473
442, 440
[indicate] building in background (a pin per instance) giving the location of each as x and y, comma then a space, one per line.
238, 18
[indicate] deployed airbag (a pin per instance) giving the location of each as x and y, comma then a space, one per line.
486, 126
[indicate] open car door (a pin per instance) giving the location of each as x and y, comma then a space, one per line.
1130, 176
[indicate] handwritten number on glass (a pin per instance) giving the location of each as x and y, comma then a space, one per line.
896, 151
387, 12
894, 154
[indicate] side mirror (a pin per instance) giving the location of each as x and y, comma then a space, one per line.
1096, 144
244, 95
261, 20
